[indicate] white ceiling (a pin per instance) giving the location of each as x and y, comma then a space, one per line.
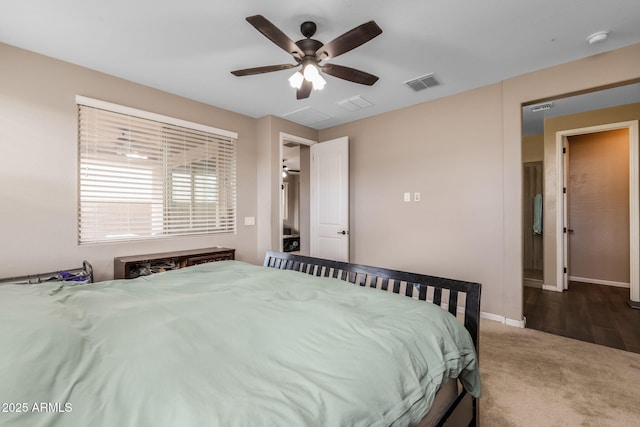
189, 47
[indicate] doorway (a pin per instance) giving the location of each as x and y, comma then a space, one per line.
290, 197
564, 228
594, 223
294, 183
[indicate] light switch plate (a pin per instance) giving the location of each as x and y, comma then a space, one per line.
416, 197
407, 197
249, 220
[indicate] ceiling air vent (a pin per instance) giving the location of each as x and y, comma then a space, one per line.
354, 103
423, 82
541, 107
307, 116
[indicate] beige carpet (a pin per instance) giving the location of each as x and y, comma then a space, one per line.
532, 378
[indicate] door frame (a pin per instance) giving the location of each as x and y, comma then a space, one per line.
634, 206
298, 140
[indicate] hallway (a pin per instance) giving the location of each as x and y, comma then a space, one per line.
587, 312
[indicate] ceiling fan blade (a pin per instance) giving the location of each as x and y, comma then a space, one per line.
305, 90
274, 34
260, 70
348, 73
349, 40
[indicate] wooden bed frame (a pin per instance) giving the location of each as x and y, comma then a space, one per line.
437, 290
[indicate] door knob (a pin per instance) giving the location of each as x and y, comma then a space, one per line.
343, 232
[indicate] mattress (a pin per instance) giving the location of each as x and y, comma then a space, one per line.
224, 344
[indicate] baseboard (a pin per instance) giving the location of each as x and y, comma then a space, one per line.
550, 288
502, 319
514, 323
599, 282
491, 316
533, 283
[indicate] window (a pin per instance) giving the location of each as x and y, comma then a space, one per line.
143, 175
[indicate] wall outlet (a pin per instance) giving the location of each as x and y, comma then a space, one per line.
407, 197
249, 220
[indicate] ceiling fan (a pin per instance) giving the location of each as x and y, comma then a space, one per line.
308, 53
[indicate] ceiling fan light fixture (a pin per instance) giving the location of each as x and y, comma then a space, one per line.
310, 72
312, 75
318, 82
296, 80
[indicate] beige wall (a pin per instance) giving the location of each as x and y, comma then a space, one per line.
449, 150
617, 66
305, 200
269, 172
533, 148
38, 183
463, 153
551, 127
38, 178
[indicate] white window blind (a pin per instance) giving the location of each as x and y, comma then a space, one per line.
147, 176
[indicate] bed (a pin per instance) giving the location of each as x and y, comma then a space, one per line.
234, 344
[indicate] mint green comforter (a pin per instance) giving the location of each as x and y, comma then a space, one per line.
224, 344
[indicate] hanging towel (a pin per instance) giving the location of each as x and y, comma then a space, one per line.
537, 214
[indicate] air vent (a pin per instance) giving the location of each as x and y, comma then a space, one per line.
541, 107
423, 82
354, 103
307, 116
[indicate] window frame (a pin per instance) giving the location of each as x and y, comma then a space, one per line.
222, 155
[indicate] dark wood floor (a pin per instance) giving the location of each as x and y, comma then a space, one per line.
587, 312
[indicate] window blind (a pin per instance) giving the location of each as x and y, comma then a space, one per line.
142, 177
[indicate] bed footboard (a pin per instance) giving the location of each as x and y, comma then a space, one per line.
460, 298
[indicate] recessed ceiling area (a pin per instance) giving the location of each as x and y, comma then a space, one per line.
533, 121
189, 48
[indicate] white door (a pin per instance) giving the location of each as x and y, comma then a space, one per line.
330, 199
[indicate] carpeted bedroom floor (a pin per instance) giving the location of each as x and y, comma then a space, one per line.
533, 378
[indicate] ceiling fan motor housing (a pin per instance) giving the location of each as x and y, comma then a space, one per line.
309, 47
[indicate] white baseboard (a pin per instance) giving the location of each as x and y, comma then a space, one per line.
514, 323
533, 283
599, 282
502, 319
550, 288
